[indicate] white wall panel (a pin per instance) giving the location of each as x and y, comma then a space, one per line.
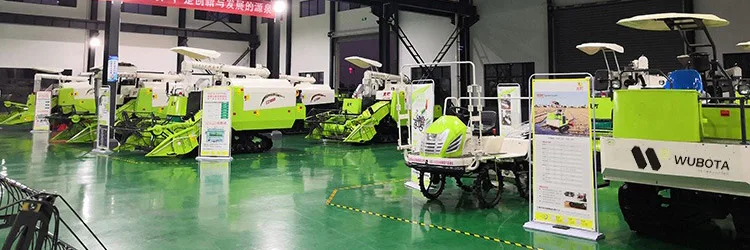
24, 46
510, 31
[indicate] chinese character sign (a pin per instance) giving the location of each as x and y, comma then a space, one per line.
259, 8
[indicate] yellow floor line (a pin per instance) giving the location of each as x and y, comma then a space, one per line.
329, 202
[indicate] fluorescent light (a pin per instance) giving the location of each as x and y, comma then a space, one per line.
95, 42
279, 6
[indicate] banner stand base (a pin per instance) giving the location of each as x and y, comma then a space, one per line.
101, 151
212, 158
572, 232
40, 131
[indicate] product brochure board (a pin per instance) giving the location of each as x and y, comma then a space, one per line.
42, 110
216, 123
422, 111
103, 107
422, 103
510, 109
102, 127
563, 180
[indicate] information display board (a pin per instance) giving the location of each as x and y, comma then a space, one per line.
216, 124
509, 110
563, 179
42, 111
422, 114
112, 68
102, 124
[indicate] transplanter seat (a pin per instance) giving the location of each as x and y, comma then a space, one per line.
685, 79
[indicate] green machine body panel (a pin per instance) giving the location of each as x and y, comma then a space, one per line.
67, 101
602, 113
657, 114
262, 119
176, 106
446, 129
723, 122
352, 106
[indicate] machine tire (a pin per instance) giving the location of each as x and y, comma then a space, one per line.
490, 178
429, 191
522, 183
641, 207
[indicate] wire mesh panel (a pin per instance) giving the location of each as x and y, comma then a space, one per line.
33, 218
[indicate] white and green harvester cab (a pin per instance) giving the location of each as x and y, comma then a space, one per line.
465, 143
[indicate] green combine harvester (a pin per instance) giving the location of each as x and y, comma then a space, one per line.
23, 113
143, 97
370, 115
259, 106
681, 151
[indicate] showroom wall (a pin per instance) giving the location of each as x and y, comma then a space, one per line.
510, 31
494, 38
25, 46
726, 38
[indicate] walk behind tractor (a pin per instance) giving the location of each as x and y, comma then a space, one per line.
682, 151
464, 144
259, 106
370, 115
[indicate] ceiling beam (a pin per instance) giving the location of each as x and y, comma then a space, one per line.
431, 7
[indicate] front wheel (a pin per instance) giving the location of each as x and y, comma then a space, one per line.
434, 188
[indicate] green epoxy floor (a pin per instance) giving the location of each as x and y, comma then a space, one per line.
276, 200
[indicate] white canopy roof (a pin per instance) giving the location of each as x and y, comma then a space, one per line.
655, 22
593, 48
363, 62
50, 70
196, 53
745, 45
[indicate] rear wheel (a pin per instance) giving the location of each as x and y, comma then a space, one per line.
488, 186
434, 188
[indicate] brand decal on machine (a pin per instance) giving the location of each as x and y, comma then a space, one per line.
649, 157
317, 97
641, 158
270, 98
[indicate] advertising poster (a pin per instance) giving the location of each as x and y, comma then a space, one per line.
422, 109
509, 109
422, 115
42, 110
216, 124
564, 191
102, 128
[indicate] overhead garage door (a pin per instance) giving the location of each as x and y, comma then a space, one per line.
597, 23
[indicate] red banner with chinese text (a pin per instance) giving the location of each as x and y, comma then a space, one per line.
257, 8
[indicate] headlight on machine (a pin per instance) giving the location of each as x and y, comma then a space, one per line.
455, 144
